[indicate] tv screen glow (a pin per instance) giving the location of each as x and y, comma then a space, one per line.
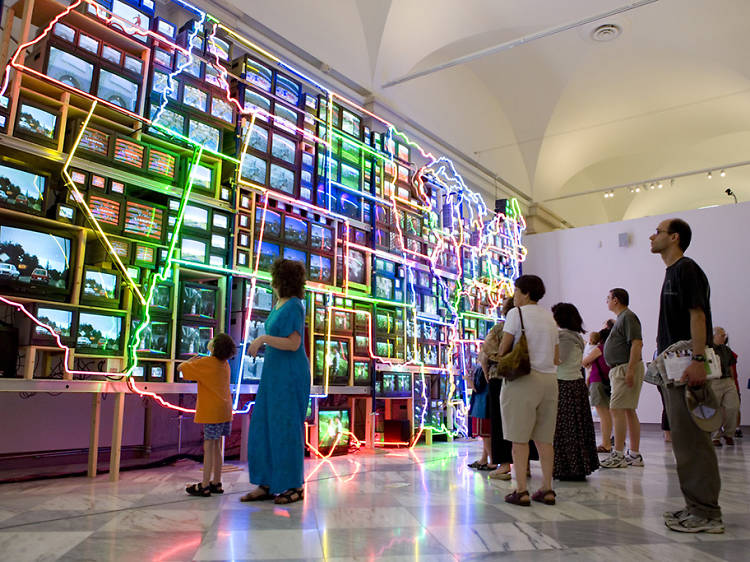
350, 176
258, 75
96, 141
195, 217
88, 43
320, 268
283, 149
295, 255
34, 258
281, 179
128, 152
105, 210
202, 177
255, 102
287, 90
322, 238
134, 65
254, 169
258, 139
361, 372
59, 320
219, 48
218, 242
117, 90
110, 54
285, 118
100, 284
21, 189
333, 425
143, 220
194, 339
271, 223
194, 97
268, 253
163, 58
338, 359
295, 231
154, 338
161, 163
220, 221
204, 135
135, 17
198, 302
357, 270
169, 120
99, 332
222, 110
37, 121
193, 250
64, 32
70, 69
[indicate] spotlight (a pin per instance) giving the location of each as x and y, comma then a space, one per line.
660, 185
671, 182
709, 175
637, 189
723, 174
652, 186
606, 195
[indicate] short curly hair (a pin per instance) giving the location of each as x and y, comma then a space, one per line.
223, 347
288, 278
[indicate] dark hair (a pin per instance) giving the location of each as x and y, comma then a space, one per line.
604, 334
621, 295
507, 306
679, 226
288, 278
224, 347
531, 285
567, 317
609, 323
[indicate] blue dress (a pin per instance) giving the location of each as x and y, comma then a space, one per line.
276, 436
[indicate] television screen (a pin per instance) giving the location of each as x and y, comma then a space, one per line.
193, 250
199, 302
268, 254
168, 120
162, 163
255, 102
295, 231
285, 118
88, 43
295, 255
143, 220
213, 76
99, 182
195, 217
322, 238
65, 213
357, 269
109, 53
218, 47
165, 28
262, 299
258, 139
350, 176
117, 90
283, 149
145, 255
338, 359
163, 57
332, 426
22, 190
287, 89
99, 284
194, 97
99, 332
204, 135
134, 65
95, 141
36, 121
350, 151
361, 373
64, 32
134, 273
154, 338
132, 16
320, 269
61, 321
281, 179
156, 373
105, 211
128, 152
253, 169
70, 70
34, 258
218, 242
162, 297
222, 110
350, 123
271, 223
194, 339
384, 287
203, 177
258, 75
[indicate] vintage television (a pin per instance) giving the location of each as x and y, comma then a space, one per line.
295, 231
107, 210
320, 269
156, 373
285, 118
356, 265
69, 69
268, 224
257, 139
196, 219
219, 48
267, 255
198, 302
162, 164
100, 333
351, 124
22, 190
144, 255
31, 261
321, 238
164, 28
205, 135
154, 338
351, 152
222, 110
258, 74
128, 153
203, 178
139, 20
281, 179
118, 90
284, 148
172, 121
161, 300
193, 249
287, 89
144, 221
95, 140
193, 339
403, 384
194, 97
65, 213
112, 54
263, 299
254, 169
333, 432
339, 361
37, 123
100, 287
61, 320
295, 254
362, 376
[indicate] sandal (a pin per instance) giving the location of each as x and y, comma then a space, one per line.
544, 496
518, 498
486, 467
260, 493
290, 496
601, 449
476, 464
215, 488
198, 490
498, 474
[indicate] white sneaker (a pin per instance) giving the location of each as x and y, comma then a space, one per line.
695, 524
634, 460
614, 460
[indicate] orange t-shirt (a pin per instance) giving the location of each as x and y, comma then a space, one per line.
214, 402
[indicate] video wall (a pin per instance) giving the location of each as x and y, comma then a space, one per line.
195, 160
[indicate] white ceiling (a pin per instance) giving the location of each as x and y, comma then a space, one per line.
563, 114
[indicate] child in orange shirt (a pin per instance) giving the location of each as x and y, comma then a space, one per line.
213, 408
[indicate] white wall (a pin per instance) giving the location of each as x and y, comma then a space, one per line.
581, 265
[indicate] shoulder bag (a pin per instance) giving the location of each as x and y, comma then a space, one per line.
516, 362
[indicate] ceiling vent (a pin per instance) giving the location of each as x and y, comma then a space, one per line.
606, 32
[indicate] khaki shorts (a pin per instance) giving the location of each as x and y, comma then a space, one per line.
529, 408
598, 394
625, 397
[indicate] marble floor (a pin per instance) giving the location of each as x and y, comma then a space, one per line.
390, 505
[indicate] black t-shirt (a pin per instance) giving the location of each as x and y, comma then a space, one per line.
727, 359
685, 287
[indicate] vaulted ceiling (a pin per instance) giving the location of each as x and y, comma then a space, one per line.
561, 114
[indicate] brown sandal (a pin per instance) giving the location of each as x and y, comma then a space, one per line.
261, 493
290, 496
518, 498
546, 497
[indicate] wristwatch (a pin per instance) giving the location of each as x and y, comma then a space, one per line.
699, 357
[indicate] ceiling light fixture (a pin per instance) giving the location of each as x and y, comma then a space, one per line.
723, 174
660, 185
652, 186
709, 175
637, 189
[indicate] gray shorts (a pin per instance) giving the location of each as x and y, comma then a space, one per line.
599, 394
528, 406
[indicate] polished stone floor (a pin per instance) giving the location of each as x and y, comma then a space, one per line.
390, 505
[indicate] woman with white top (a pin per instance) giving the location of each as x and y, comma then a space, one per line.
575, 440
529, 403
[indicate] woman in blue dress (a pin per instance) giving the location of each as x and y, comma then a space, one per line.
276, 437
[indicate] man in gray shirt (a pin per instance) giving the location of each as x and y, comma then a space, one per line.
622, 352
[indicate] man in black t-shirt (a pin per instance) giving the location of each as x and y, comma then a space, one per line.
685, 314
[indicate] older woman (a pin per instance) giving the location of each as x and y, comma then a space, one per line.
529, 403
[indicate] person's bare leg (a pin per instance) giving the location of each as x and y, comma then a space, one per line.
218, 462
487, 453
605, 421
208, 461
620, 424
634, 429
547, 459
520, 461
